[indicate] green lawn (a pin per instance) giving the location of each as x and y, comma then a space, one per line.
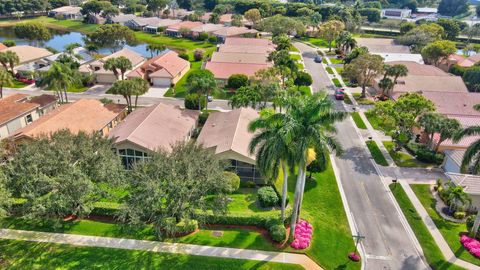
376, 153
362, 101
358, 120
323, 208
17, 84
244, 201
377, 123
180, 89
430, 249
174, 43
294, 49
295, 57
33, 255
339, 70
318, 42
324, 60
336, 82
449, 230
403, 159
335, 60
300, 66
329, 70
70, 25
305, 90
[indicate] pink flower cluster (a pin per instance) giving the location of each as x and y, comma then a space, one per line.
471, 244
303, 235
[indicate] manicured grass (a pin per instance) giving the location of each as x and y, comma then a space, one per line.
362, 101
318, 42
17, 84
329, 70
294, 49
376, 153
450, 230
335, 60
347, 100
403, 159
377, 123
430, 249
358, 120
336, 82
300, 66
70, 25
295, 57
324, 60
305, 90
33, 255
180, 88
76, 89
245, 201
323, 208
175, 43
339, 70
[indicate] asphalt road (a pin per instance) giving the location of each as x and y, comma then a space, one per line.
387, 243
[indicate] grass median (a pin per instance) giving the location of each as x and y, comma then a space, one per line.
376, 153
358, 120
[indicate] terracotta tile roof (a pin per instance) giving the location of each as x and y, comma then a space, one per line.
155, 127
225, 70
234, 31
228, 131
14, 106
2, 46
248, 58
249, 41
166, 65
28, 53
207, 28
454, 103
184, 24
244, 49
133, 56
87, 115
43, 100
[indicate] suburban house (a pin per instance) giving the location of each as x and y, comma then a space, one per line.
121, 18
227, 134
18, 111
206, 28
222, 71
79, 55
154, 28
138, 23
456, 59
163, 70
234, 31
395, 13
66, 13
244, 48
174, 30
424, 78
225, 19
233, 57
470, 184
250, 42
84, 115
147, 130
106, 76
28, 54
382, 45
178, 13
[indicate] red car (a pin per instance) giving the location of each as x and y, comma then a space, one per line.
339, 94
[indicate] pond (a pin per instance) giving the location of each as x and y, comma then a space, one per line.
61, 38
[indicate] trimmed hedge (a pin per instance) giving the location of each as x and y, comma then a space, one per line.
278, 233
262, 221
267, 197
233, 181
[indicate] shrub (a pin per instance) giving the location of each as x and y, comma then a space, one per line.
248, 184
428, 156
469, 222
184, 55
236, 81
181, 228
202, 36
198, 54
459, 215
233, 181
457, 70
191, 101
212, 39
267, 197
203, 118
278, 233
9, 43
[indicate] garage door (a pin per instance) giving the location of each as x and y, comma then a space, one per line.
162, 82
451, 166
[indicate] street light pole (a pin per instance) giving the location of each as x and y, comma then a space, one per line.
354, 256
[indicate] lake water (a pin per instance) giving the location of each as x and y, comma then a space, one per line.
62, 38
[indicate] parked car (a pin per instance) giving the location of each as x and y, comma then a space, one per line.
339, 94
209, 98
318, 59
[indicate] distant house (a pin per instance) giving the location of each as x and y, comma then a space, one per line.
227, 135
121, 18
159, 26
460, 60
470, 184
234, 31
28, 54
179, 13
222, 71
106, 76
395, 13
206, 28
426, 10
393, 57
174, 30
18, 111
239, 41
240, 58
150, 129
163, 70
382, 45
424, 78
66, 12
225, 19
244, 49
84, 115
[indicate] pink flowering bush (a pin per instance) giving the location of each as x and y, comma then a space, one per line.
471, 244
302, 235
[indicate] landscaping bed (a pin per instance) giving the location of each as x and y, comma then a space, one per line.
404, 159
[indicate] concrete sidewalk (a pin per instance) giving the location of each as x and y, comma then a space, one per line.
162, 247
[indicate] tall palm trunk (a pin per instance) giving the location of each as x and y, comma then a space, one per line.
136, 99
206, 103
66, 97
284, 189
1, 91
301, 192
296, 202
476, 224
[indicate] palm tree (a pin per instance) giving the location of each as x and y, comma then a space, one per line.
397, 71
386, 84
8, 60
59, 78
456, 195
111, 64
5, 79
118, 65
203, 83
155, 48
471, 158
346, 42
139, 87
308, 123
272, 151
123, 88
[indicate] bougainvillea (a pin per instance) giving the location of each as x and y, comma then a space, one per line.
302, 235
471, 244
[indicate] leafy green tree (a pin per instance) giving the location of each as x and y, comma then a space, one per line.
279, 24
457, 197
345, 42
59, 78
245, 96
320, 164
477, 10
386, 84
452, 7
422, 35
156, 6
174, 186
128, 88
435, 123
364, 69
354, 54
405, 27
118, 65
253, 15
5, 196
95, 7
282, 42
396, 71
214, 18
115, 36
9, 60
451, 28
155, 49
139, 87
272, 151
32, 31
303, 79
285, 65
237, 20
372, 14
6, 79
72, 46
9, 43
60, 174
236, 81
210, 4
471, 77
471, 158
315, 20
330, 31
203, 83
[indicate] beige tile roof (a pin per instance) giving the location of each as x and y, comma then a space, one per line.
87, 115
133, 56
67, 9
454, 103
470, 183
184, 24
28, 53
382, 45
228, 131
248, 58
249, 41
156, 127
207, 28
14, 106
245, 49
232, 31
167, 65
225, 70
